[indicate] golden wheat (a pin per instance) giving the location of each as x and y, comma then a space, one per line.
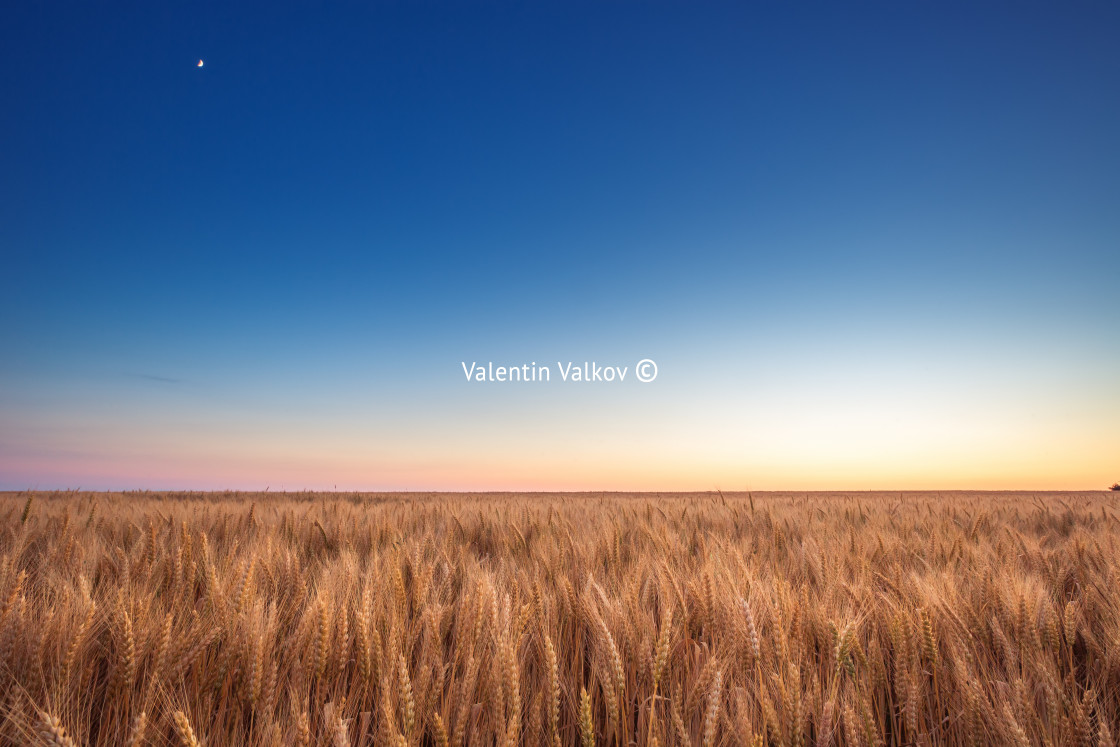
184, 730
715, 620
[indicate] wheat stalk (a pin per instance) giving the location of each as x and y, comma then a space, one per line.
586, 723
710, 717
553, 692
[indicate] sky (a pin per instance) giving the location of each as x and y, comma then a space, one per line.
869, 245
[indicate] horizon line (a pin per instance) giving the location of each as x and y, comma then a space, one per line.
715, 491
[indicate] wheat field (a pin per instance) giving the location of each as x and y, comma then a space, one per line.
559, 619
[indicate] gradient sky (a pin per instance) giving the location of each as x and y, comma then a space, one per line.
869, 245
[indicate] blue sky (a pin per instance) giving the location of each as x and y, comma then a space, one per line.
869, 245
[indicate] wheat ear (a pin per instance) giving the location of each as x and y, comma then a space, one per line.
53, 733
184, 730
